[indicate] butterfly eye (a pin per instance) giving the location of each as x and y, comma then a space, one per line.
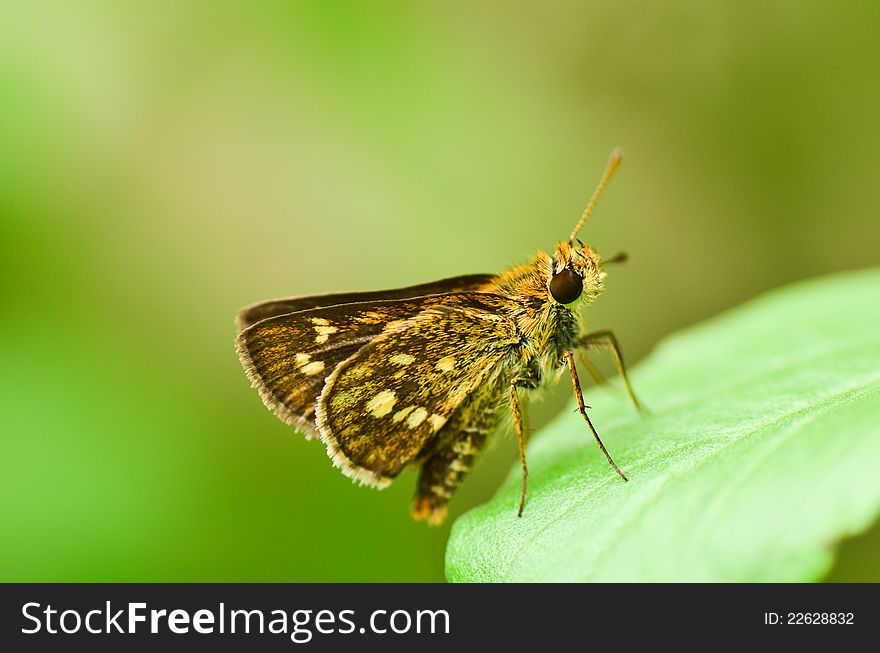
566, 286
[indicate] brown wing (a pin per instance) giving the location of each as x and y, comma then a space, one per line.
287, 357
274, 307
381, 408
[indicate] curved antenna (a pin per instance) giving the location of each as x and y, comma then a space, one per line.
613, 164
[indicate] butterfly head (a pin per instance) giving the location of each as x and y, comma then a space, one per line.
575, 275
576, 272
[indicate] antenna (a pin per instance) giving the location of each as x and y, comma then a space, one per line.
613, 164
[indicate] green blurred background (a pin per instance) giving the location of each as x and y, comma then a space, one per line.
164, 163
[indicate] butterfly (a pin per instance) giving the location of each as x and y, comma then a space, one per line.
422, 375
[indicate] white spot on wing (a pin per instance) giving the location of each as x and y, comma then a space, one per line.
402, 359
313, 368
416, 417
323, 331
437, 421
382, 403
446, 364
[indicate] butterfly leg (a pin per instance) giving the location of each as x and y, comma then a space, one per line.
598, 377
518, 423
582, 409
607, 340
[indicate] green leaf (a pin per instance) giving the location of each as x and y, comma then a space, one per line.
761, 451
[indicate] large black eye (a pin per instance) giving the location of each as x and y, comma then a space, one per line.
566, 286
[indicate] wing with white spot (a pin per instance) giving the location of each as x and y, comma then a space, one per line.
274, 307
382, 407
288, 357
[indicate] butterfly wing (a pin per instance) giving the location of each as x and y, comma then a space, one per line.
384, 406
275, 307
288, 357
